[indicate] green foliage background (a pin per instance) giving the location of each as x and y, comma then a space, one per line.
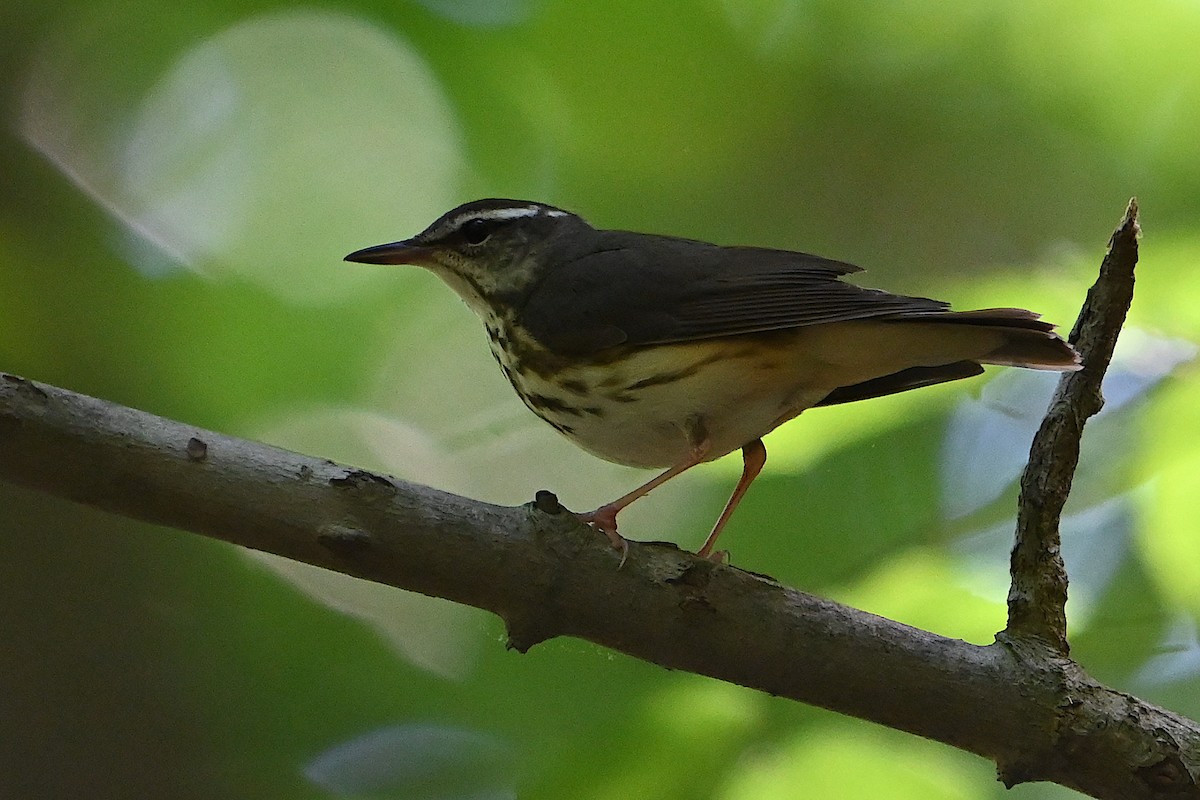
181, 182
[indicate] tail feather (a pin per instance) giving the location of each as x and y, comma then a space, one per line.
1026, 340
1035, 350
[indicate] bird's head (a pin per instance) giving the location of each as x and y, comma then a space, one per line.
489, 251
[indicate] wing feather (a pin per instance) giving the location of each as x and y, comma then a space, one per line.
662, 290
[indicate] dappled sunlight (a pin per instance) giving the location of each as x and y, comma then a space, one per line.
1166, 294
837, 760
697, 713
251, 156
918, 588
1170, 539
685, 720
799, 444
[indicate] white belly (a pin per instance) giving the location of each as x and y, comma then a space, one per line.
654, 408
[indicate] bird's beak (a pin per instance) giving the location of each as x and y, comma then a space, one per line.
406, 252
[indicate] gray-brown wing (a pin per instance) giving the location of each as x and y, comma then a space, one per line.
664, 290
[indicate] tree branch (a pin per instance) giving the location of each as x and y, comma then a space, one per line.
1036, 714
1037, 598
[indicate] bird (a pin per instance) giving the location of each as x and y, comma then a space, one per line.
661, 352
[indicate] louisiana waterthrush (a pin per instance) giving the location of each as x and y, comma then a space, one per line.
660, 352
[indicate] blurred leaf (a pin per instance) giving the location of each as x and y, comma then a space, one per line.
431, 633
235, 162
1179, 658
1095, 544
987, 441
428, 632
417, 762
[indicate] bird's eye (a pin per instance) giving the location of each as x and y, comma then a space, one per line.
475, 231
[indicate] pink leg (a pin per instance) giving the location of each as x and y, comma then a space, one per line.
754, 456
604, 518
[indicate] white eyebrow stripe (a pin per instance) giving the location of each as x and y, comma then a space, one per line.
503, 213
511, 213
492, 214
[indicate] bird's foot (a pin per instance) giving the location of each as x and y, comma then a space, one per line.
604, 519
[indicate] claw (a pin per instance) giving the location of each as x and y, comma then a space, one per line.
604, 519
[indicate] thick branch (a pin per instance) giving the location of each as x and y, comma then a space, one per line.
547, 575
1038, 596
